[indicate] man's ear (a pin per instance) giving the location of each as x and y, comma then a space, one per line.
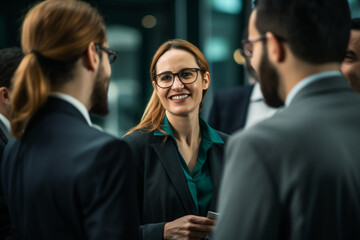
91, 58
276, 49
4, 95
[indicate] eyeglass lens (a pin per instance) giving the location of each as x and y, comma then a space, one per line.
186, 76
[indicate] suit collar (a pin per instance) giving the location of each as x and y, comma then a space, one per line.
76, 103
5, 127
208, 133
167, 153
308, 81
321, 86
168, 157
56, 105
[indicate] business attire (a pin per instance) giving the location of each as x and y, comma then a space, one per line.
297, 174
167, 189
4, 212
67, 180
238, 108
4, 132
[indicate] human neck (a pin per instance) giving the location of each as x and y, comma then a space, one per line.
186, 129
78, 87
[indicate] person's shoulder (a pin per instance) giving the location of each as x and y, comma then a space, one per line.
234, 90
139, 137
230, 96
271, 131
93, 139
223, 136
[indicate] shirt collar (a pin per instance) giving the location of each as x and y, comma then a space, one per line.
74, 102
207, 132
256, 94
6, 122
306, 81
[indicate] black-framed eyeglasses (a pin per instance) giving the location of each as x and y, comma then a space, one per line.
167, 79
247, 45
111, 53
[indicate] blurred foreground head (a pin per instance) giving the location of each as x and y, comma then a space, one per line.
55, 35
287, 34
350, 67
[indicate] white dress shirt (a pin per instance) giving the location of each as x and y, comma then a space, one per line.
258, 110
6, 122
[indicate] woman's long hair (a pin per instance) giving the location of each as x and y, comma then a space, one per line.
55, 34
154, 112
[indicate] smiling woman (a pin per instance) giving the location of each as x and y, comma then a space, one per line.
179, 156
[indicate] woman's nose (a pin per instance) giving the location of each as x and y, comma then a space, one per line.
177, 83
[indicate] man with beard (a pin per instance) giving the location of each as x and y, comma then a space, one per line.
239, 107
350, 67
297, 174
62, 178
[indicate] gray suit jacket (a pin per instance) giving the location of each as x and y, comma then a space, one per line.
297, 174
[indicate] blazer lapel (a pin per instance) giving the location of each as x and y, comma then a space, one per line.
215, 160
167, 154
322, 86
5, 135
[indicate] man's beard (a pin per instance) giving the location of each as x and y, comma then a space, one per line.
99, 94
269, 81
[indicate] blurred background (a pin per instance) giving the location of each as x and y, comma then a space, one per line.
136, 28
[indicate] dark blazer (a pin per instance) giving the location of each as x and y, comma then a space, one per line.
4, 212
296, 176
67, 180
4, 136
164, 193
229, 109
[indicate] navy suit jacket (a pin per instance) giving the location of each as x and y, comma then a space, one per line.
67, 180
229, 109
163, 191
4, 212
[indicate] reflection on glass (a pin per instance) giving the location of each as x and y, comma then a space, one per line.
227, 6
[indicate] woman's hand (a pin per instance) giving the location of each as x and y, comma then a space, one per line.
189, 227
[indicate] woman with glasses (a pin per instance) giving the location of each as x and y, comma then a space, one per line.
179, 156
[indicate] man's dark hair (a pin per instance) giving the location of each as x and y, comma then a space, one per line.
317, 31
355, 24
10, 59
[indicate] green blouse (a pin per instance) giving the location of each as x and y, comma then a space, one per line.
199, 180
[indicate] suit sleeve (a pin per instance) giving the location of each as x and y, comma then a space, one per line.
150, 231
111, 211
247, 200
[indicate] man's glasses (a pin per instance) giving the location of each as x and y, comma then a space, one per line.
247, 45
167, 79
111, 53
